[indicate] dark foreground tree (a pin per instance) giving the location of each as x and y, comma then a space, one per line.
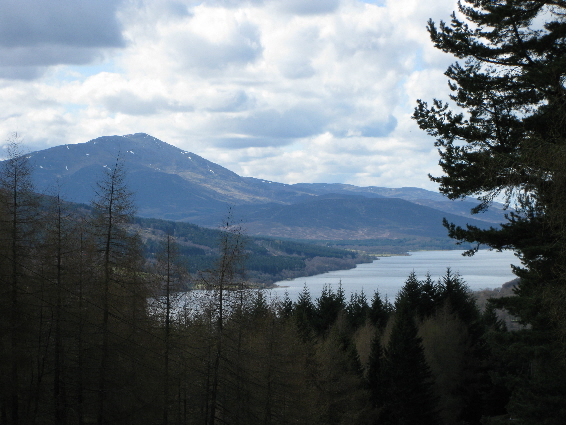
171, 276
409, 398
18, 214
121, 295
510, 140
226, 284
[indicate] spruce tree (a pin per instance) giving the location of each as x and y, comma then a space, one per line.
410, 295
328, 307
379, 311
455, 294
376, 383
408, 395
419, 297
304, 313
285, 308
357, 310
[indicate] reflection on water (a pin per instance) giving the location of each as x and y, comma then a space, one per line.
486, 269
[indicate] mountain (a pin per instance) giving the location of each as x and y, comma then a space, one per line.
170, 183
419, 196
348, 217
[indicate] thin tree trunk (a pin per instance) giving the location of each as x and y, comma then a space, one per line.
105, 315
58, 384
14, 316
167, 331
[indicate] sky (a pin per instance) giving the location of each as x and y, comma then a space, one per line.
284, 90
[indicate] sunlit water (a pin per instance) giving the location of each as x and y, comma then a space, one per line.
486, 269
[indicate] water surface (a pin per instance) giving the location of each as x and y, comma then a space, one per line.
486, 269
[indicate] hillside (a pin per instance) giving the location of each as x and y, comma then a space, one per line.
170, 183
342, 217
416, 195
267, 260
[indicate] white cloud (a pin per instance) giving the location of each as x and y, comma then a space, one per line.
35, 35
312, 7
285, 90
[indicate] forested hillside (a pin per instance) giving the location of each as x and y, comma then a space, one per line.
267, 260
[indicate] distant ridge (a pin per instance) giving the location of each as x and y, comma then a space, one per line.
174, 184
350, 217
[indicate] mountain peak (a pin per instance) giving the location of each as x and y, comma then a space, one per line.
164, 176
146, 139
128, 141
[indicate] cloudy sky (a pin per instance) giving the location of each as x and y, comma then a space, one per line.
285, 90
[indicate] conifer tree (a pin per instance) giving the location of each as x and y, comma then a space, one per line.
286, 306
224, 280
18, 216
328, 307
342, 395
430, 297
375, 379
510, 140
304, 314
113, 210
417, 296
357, 310
407, 379
409, 297
171, 276
379, 311
58, 254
